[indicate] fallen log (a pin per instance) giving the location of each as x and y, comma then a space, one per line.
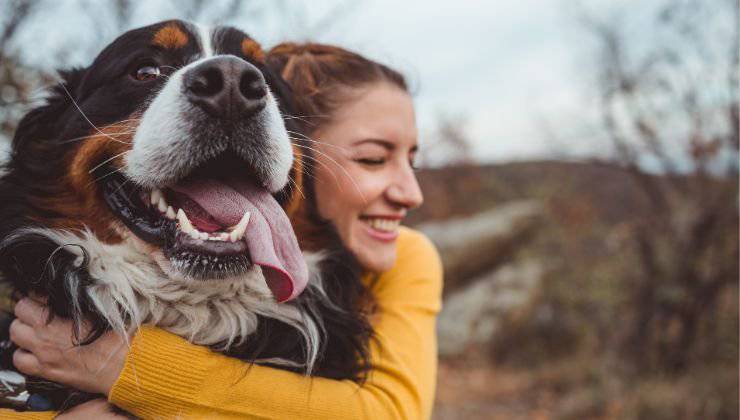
477, 244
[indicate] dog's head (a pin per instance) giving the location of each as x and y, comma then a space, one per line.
173, 139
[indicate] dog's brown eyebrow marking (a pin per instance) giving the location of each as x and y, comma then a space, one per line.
170, 36
251, 48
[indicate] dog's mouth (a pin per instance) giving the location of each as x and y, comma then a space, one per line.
217, 222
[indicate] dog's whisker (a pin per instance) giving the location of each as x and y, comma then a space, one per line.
107, 160
341, 148
307, 173
336, 180
344, 170
295, 184
80, 110
74, 139
302, 117
306, 138
127, 120
290, 117
105, 176
122, 185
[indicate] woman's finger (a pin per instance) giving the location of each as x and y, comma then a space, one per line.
30, 312
26, 362
23, 335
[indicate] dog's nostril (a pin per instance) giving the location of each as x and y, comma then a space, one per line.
226, 87
208, 83
252, 86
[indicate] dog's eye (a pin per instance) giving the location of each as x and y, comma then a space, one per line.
146, 73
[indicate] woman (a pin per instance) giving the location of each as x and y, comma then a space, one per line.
362, 127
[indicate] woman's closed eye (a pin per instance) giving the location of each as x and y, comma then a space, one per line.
371, 161
379, 161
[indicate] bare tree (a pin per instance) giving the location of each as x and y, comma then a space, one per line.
669, 106
17, 80
448, 144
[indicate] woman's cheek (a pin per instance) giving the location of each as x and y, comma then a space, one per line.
336, 201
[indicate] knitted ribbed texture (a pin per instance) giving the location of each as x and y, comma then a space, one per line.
163, 378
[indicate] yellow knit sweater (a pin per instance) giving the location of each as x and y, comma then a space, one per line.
167, 377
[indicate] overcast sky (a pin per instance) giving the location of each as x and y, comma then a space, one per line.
508, 67
517, 71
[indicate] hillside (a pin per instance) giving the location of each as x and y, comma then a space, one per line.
458, 191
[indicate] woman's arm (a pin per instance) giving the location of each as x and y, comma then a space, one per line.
164, 375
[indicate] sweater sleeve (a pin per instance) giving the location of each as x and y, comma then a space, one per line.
10, 414
165, 376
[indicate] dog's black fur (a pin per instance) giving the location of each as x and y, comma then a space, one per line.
32, 263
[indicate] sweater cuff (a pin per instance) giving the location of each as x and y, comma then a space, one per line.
161, 375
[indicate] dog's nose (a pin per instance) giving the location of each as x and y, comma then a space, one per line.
226, 87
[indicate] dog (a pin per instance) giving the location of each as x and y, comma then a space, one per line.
153, 187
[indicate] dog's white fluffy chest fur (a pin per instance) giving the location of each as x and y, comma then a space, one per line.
131, 290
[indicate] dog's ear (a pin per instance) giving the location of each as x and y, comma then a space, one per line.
41, 122
71, 79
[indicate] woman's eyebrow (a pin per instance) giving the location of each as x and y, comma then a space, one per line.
383, 143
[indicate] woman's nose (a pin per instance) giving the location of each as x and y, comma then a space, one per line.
405, 190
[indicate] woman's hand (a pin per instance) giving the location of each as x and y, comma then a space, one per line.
48, 351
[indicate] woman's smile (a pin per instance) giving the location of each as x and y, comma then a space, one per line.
382, 228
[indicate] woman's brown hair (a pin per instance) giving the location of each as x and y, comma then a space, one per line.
322, 78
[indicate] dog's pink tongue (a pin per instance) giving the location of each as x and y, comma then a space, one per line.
269, 236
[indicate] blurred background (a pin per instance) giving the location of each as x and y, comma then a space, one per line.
580, 168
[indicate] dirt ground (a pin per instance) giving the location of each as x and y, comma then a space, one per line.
471, 391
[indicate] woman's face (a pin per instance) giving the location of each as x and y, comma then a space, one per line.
365, 181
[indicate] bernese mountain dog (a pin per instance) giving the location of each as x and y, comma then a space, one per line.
153, 187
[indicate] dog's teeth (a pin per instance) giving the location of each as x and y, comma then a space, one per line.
155, 196
162, 205
214, 237
171, 213
224, 236
240, 228
185, 224
203, 236
194, 234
